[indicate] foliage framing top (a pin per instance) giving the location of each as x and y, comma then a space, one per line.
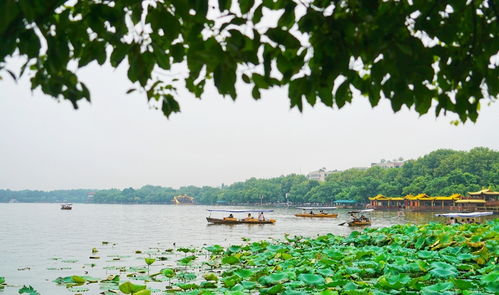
413, 53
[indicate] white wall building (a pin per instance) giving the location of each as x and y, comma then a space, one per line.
319, 175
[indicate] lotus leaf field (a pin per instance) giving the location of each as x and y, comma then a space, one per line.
402, 259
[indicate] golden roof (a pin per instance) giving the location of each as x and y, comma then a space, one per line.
378, 197
484, 192
421, 197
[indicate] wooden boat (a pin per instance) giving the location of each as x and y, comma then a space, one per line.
362, 221
227, 220
232, 220
320, 214
66, 206
323, 215
359, 223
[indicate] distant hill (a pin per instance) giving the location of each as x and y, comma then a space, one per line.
442, 172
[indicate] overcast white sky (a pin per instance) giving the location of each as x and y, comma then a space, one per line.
119, 141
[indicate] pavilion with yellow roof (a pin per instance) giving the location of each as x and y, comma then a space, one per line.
486, 199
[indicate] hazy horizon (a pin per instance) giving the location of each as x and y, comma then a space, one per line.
119, 141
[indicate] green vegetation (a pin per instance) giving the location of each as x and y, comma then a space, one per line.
442, 172
412, 53
425, 259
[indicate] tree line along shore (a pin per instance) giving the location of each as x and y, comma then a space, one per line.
440, 173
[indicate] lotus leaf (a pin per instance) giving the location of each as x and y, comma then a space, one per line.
186, 276
234, 249
230, 260
28, 290
187, 260
294, 292
273, 279
443, 270
207, 284
248, 285
2, 280
149, 261
215, 249
244, 273
272, 290
130, 288
394, 281
327, 272
311, 279
491, 281
210, 277
168, 272
328, 292
189, 286
439, 287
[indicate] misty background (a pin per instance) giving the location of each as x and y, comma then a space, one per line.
119, 140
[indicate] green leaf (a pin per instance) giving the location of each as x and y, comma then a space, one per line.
224, 4
130, 288
78, 279
230, 260
311, 279
168, 272
28, 290
283, 37
149, 261
246, 5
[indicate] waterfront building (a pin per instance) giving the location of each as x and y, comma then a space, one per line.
484, 200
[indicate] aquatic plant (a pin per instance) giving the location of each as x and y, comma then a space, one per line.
402, 259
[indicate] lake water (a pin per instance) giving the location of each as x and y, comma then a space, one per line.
40, 242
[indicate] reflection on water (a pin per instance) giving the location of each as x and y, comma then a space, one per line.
31, 234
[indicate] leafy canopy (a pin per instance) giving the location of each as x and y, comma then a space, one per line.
412, 53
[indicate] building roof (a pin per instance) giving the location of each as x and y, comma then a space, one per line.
421, 197
484, 192
345, 201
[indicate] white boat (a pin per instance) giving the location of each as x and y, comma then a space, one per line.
67, 206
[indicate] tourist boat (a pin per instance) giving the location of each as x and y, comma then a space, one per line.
358, 221
466, 217
312, 212
67, 206
233, 220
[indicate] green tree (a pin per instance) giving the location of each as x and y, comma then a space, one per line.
413, 53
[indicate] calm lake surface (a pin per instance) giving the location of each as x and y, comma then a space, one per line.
40, 242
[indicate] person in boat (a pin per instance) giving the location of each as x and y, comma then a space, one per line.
311, 212
261, 217
321, 211
363, 218
355, 219
249, 217
452, 221
231, 217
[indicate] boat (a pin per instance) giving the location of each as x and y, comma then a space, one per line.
470, 216
359, 221
309, 212
233, 220
67, 206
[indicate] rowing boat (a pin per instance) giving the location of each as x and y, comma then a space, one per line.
239, 221
359, 223
321, 213
248, 220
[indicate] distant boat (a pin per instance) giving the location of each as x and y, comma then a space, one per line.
67, 206
309, 212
